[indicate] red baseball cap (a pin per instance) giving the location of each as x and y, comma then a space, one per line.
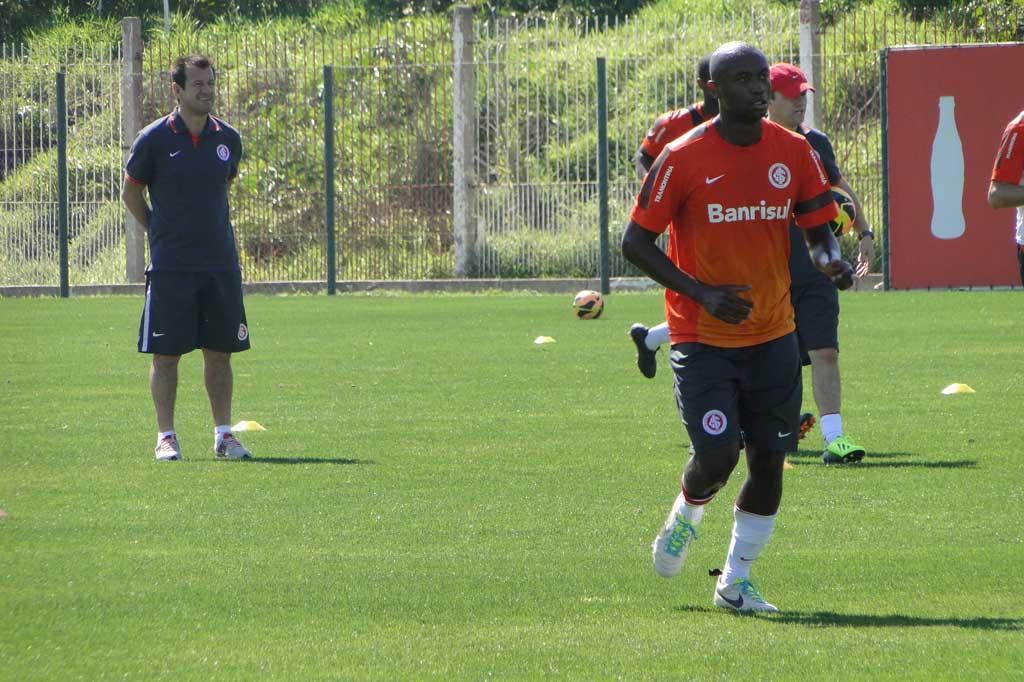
788, 80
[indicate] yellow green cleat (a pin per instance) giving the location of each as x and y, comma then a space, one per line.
842, 451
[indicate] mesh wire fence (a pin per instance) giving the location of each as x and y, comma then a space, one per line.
536, 152
537, 158
29, 246
392, 113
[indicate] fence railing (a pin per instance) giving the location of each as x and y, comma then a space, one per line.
524, 182
29, 228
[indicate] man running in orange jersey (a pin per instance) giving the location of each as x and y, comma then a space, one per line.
814, 298
1006, 190
677, 122
726, 192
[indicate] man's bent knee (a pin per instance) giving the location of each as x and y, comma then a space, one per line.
708, 471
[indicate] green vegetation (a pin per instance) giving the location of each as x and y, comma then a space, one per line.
536, 98
436, 497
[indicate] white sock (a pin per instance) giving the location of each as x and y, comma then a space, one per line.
750, 533
693, 513
218, 433
657, 336
831, 427
163, 434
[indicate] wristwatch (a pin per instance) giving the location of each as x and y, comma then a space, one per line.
865, 234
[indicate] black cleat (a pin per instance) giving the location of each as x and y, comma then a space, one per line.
645, 357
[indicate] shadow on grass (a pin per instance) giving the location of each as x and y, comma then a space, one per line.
864, 620
880, 460
816, 455
301, 460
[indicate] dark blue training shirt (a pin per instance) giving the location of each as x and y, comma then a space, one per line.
801, 269
188, 177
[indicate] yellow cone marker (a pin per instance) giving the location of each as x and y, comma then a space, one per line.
543, 339
248, 426
957, 388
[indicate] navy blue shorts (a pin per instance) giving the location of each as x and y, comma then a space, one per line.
189, 310
816, 310
758, 389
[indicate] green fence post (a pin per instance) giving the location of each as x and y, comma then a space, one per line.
602, 169
885, 171
62, 182
329, 174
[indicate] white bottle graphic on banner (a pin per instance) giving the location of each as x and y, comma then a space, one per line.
947, 171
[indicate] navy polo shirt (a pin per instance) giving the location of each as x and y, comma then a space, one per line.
801, 269
188, 178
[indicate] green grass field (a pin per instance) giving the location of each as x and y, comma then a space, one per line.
437, 497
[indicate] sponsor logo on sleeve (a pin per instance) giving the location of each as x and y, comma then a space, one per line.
223, 153
243, 332
818, 167
664, 182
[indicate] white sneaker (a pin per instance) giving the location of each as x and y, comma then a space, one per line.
230, 448
167, 449
669, 548
741, 596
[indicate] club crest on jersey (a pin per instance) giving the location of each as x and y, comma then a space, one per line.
714, 422
223, 153
779, 176
243, 332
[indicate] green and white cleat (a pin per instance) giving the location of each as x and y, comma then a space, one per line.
742, 596
842, 451
669, 548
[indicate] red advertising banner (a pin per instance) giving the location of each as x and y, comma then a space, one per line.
946, 109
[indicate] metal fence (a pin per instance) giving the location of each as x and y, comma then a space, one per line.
29, 227
392, 108
534, 157
537, 158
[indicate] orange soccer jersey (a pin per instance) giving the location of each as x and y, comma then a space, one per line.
670, 125
1009, 165
729, 210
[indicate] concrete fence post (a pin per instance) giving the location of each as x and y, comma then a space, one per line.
464, 143
810, 57
131, 124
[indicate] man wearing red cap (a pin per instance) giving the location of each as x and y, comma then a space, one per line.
814, 297
1007, 187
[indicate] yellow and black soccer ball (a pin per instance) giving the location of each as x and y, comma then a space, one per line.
847, 212
588, 305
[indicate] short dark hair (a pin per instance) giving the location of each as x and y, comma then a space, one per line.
704, 68
181, 63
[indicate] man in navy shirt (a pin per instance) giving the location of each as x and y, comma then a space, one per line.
814, 297
187, 161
